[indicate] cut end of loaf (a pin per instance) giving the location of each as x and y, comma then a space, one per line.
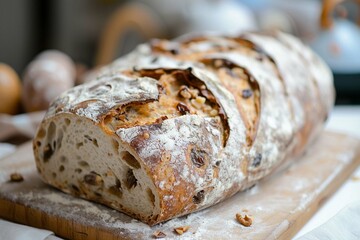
107, 171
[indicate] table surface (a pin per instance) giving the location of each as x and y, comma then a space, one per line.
345, 119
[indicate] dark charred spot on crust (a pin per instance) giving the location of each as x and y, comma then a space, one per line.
217, 163
198, 157
199, 197
182, 108
257, 160
246, 93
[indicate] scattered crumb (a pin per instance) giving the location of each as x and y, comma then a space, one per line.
159, 234
16, 177
245, 210
245, 221
181, 230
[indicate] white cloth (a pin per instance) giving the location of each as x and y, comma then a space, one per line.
13, 231
345, 225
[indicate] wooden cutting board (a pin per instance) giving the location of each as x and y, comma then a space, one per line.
280, 205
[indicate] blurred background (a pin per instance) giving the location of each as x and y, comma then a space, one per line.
95, 32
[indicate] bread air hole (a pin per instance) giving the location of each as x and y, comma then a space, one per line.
115, 145
199, 197
48, 152
130, 159
59, 139
130, 180
83, 164
78, 145
116, 189
61, 168
67, 121
93, 140
94, 179
51, 131
151, 196
41, 133
63, 159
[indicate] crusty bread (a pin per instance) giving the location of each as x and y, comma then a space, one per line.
177, 126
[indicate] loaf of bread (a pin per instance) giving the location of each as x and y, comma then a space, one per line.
178, 126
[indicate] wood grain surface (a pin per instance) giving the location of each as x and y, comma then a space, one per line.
279, 205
